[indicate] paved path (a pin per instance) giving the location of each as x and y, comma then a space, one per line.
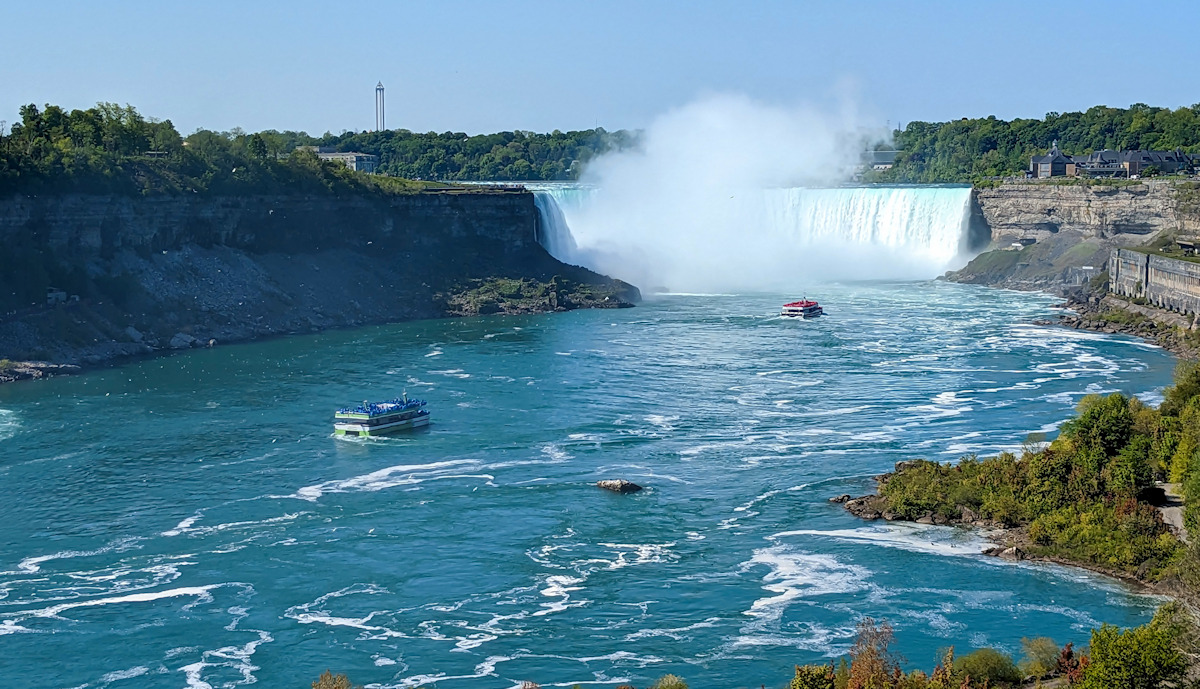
1172, 511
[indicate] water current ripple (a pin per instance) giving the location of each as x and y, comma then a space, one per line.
202, 529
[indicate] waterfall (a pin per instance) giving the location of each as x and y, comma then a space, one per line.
554, 234
758, 239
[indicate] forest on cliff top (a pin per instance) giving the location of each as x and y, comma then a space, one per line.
112, 148
970, 149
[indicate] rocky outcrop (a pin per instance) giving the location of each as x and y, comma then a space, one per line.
619, 485
173, 272
1072, 228
26, 370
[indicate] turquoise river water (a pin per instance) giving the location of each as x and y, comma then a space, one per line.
188, 521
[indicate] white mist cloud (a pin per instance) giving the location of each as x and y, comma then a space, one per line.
703, 204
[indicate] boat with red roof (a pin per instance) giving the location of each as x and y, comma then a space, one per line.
805, 308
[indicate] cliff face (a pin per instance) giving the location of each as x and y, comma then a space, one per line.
1041, 210
174, 272
1073, 228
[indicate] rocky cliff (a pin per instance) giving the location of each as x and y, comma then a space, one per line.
1068, 229
134, 275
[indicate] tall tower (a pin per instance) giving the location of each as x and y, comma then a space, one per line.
379, 126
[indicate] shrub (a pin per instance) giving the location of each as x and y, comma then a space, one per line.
813, 677
1040, 656
332, 681
987, 665
670, 682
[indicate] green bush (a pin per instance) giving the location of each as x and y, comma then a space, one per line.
813, 677
987, 665
328, 680
670, 682
1039, 656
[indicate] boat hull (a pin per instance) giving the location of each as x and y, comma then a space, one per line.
359, 430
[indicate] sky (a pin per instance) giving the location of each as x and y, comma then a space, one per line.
534, 65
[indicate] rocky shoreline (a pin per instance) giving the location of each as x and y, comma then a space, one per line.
1011, 543
12, 371
1174, 332
496, 296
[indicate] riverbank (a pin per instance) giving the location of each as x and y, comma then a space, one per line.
93, 280
1056, 236
1012, 543
1111, 314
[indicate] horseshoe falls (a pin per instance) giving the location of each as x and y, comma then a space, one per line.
760, 239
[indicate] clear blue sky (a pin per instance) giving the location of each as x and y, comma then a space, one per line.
490, 66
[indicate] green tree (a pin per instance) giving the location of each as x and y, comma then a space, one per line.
813, 677
256, 146
1139, 658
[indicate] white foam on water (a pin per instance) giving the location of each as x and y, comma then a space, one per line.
383, 661
436, 352
643, 553
182, 526
663, 421
32, 565
236, 658
452, 373
315, 613
11, 627
9, 424
1152, 398
555, 453
798, 573
841, 411
677, 633
486, 668
560, 586
917, 538
206, 530
200, 593
399, 475
124, 674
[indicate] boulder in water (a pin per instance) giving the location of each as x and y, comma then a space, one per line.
619, 485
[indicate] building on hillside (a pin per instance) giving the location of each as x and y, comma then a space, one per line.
1053, 164
881, 160
359, 162
1110, 163
1165, 161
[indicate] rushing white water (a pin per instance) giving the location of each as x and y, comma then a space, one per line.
760, 239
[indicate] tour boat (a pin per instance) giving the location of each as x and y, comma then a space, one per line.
379, 418
804, 309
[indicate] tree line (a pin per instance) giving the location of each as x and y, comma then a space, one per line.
113, 148
511, 156
970, 149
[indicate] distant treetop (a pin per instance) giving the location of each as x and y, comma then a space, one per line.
967, 149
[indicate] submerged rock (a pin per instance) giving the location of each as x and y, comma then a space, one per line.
619, 485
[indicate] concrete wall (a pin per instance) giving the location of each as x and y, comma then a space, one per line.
1168, 283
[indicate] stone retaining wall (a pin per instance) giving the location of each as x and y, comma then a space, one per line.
1167, 283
